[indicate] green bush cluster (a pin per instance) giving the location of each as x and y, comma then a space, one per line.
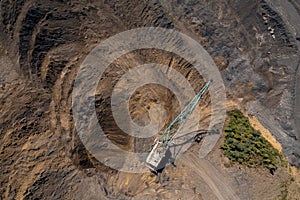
245, 145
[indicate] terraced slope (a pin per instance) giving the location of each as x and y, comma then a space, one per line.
43, 44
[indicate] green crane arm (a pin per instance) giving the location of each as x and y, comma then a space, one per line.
173, 129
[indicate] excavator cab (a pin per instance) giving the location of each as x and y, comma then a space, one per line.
156, 155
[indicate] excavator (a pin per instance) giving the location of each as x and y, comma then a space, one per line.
160, 148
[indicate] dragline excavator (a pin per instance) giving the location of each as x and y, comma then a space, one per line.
161, 145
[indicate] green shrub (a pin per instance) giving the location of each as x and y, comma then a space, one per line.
245, 145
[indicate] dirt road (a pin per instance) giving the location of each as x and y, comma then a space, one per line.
213, 178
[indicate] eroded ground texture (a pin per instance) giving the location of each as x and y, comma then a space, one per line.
255, 44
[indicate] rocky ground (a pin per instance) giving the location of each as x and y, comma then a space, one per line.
255, 44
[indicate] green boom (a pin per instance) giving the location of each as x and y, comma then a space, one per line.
176, 125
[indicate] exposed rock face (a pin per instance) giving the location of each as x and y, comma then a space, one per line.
262, 55
41, 155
